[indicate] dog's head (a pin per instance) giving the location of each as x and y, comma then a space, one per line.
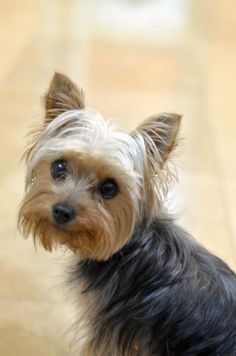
88, 184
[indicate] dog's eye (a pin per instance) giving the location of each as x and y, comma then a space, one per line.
58, 169
109, 189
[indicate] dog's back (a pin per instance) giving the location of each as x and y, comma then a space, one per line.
162, 294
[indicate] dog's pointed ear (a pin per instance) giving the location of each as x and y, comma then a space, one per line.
62, 95
159, 134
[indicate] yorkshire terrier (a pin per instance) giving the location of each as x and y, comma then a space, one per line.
145, 286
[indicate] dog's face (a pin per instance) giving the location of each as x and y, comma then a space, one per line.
88, 184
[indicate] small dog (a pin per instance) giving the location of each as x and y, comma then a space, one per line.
147, 288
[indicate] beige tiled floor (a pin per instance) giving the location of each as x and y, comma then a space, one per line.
129, 72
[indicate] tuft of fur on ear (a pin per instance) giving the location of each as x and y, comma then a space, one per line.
62, 95
159, 133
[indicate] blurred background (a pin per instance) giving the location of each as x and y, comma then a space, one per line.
134, 58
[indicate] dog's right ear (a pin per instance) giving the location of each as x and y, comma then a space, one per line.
159, 135
62, 95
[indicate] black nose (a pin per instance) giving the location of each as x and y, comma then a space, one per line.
63, 213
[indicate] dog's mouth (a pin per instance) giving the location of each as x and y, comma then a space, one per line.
51, 235
60, 228
86, 241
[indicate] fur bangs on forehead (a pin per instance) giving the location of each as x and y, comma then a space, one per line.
85, 132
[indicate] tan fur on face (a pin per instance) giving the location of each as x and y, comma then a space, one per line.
101, 226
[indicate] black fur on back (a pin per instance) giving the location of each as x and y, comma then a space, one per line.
164, 293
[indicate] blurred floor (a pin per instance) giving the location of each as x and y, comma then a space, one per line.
133, 60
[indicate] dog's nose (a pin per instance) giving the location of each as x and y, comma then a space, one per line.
63, 213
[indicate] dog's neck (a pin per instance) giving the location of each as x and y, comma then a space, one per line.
147, 243
151, 260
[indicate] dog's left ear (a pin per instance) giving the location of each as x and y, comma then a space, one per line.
159, 132
62, 95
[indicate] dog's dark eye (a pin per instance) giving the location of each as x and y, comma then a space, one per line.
109, 189
58, 169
